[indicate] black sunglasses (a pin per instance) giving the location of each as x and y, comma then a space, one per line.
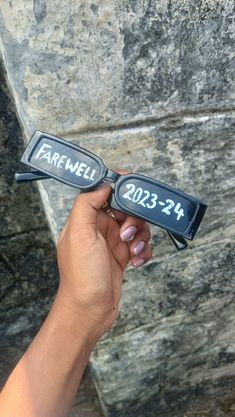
135, 194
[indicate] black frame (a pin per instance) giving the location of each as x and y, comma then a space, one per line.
107, 175
192, 226
37, 136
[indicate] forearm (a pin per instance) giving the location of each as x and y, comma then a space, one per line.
46, 379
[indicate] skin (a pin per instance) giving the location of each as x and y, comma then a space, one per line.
92, 257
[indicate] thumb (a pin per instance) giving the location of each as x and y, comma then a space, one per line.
87, 205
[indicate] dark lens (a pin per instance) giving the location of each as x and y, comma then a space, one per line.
65, 162
155, 202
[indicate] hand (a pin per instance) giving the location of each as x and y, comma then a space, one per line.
93, 252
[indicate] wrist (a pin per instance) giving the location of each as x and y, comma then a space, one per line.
77, 319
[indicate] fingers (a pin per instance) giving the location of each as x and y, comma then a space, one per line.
130, 227
87, 205
134, 231
139, 241
137, 233
140, 249
122, 171
144, 256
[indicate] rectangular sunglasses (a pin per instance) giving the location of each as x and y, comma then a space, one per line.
137, 195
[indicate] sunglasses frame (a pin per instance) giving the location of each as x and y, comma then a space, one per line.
40, 135
193, 225
115, 179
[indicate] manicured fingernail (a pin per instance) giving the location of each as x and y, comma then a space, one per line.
138, 263
128, 234
139, 247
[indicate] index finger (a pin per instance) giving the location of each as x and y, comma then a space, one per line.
120, 217
126, 219
87, 205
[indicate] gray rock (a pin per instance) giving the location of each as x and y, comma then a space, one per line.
28, 272
148, 86
28, 276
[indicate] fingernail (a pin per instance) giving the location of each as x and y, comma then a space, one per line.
128, 234
139, 247
138, 263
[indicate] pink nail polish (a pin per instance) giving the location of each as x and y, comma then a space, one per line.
139, 247
128, 234
138, 263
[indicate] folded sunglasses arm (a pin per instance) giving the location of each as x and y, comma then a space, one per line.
26, 176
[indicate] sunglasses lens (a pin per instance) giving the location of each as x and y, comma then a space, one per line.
155, 202
64, 162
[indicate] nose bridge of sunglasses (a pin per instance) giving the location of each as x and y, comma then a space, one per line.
111, 176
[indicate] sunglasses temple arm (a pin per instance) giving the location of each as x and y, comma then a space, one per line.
30, 176
179, 241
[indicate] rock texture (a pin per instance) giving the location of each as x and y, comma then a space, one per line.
28, 273
149, 87
27, 260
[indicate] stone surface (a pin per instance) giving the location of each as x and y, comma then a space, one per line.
98, 64
148, 86
28, 273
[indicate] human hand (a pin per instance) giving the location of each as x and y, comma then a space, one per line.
93, 252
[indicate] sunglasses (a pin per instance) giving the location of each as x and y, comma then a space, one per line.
140, 196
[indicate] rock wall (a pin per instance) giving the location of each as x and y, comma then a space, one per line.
28, 275
149, 87
28, 267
